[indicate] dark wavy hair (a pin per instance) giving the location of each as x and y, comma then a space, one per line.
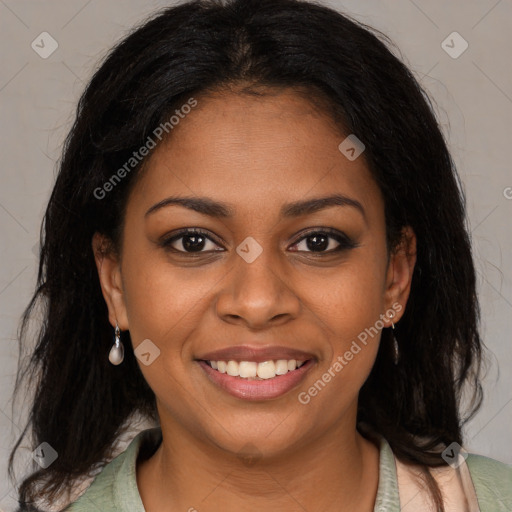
81, 402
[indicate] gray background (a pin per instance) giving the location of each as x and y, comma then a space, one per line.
473, 101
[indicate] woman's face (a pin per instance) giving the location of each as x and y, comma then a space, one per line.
275, 275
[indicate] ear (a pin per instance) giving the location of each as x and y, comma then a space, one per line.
399, 273
109, 272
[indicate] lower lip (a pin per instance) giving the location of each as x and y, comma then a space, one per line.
264, 389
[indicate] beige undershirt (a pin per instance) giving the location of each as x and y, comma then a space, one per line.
455, 484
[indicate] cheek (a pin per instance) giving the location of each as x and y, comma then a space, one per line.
164, 305
352, 303
350, 318
352, 300
162, 300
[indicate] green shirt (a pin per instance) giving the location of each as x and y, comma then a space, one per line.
115, 488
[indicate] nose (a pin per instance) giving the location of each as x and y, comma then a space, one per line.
256, 294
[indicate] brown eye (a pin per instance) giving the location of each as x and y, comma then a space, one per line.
190, 241
326, 241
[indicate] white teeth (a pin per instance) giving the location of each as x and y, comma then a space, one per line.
266, 370
281, 367
232, 369
247, 369
253, 370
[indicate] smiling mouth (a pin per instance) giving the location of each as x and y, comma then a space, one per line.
251, 370
256, 380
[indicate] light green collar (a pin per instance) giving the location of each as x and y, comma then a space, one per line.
121, 477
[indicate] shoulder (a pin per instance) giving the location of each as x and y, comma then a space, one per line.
492, 481
471, 483
116, 485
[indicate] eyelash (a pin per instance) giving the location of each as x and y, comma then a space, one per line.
344, 241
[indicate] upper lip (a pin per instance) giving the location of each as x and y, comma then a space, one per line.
256, 354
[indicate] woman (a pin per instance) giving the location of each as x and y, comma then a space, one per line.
257, 241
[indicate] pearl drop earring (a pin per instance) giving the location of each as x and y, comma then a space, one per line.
116, 354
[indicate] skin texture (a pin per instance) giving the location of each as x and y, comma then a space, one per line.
255, 153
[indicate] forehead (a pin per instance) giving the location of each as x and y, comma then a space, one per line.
255, 152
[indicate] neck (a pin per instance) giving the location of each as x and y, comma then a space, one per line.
336, 472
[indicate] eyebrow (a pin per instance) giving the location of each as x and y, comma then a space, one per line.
212, 208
